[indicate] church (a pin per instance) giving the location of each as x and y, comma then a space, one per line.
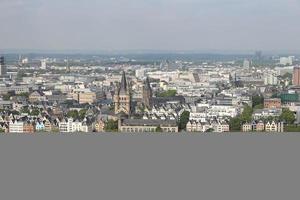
123, 100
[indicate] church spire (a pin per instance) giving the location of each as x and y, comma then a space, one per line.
123, 86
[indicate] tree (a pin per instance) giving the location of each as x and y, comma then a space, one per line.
287, 116
25, 94
111, 126
6, 97
159, 130
257, 100
259, 106
169, 93
82, 113
35, 112
184, 119
235, 124
25, 109
210, 130
287, 76
73, 114
246, 116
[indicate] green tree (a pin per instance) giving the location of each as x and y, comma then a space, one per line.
183, 120
257, 100
259, 106
159, 130
235, 124
111, 126
73, 114
25, 109
246, 116
169, 93
35, 112
26, 95
6, 97
287, 116
210, 130
82, 113
2, 130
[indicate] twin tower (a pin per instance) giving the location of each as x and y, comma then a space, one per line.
122, 97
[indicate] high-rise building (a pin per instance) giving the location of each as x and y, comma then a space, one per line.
246, 64
122, 99
44, 64
296, 76
2, 67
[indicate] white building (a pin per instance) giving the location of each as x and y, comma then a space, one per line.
71, 126
270, 79
246, 64
44, 64
287, 60
16, 127
140, 73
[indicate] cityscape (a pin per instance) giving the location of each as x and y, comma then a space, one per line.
149, 93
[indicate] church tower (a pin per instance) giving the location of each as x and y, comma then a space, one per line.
147, 93
122, 99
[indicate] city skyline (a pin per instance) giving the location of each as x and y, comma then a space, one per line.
158, 25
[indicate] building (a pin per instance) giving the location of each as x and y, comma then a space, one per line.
247, 127
44, 64
194, 126
48, 126
87, 97
147, 94
272, 103
28, 128
65, 126
141, 126
99, 126
260, 126
296, 76
40, 126
246, 64
274, 127
222, 128
71, 126
37, 97
289, 97
140, 73
16, 127
270, 79
2, 67
286, 60
122, 99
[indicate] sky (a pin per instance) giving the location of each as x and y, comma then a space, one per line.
167, 25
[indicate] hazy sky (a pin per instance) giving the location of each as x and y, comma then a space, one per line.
150, 24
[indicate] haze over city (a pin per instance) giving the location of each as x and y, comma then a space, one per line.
162, 25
